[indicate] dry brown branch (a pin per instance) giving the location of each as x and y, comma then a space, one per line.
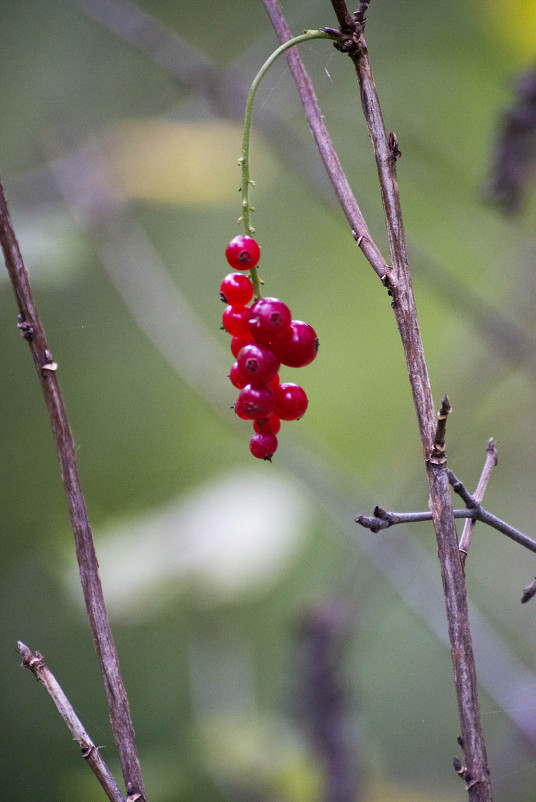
489, 464
36, 663
386, 152
33, 332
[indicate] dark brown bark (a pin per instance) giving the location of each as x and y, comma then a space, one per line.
32, 330
475, 772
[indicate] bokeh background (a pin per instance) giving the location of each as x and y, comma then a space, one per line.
246, 605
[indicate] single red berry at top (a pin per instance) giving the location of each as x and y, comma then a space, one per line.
243, 253
298, 346
236, 289
290, 401
270, 319
263, 445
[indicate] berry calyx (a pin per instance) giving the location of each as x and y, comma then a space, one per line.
263, 445
290, 401
270, 319
243, 253
235, 320
254, 403
270, 425
258, 363
298, 346
236, 289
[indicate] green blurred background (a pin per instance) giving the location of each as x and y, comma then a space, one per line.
217, 568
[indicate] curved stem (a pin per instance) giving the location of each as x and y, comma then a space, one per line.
244, 158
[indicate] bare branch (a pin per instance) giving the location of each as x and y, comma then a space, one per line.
386, 152
438, 451
90, 752
325, 146
382, 519
489, 464
32, 330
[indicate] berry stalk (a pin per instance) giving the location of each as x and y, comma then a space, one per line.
243, 161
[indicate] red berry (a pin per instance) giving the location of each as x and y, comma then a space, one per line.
254, 403
238, 379
263, 445
243, 253
237, 343
290, 401
270, 319
236, 289
274, 382
235, 319
268, 425
298, 347
258, 363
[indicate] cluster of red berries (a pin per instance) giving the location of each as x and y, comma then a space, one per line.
264, 337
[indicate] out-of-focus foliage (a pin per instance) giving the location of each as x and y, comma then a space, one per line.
123, 182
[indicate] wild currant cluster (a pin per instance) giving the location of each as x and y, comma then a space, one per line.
264, 337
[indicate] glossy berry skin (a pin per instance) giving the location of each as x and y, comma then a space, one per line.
270, 319
238, 379
254, 403
235, 320
258, 363
236, 289
237, 343
243, 252
290, 401
298, 347
268, 425
263, 445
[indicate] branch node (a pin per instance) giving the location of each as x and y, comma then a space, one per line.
393, 146
26, 329
439, 456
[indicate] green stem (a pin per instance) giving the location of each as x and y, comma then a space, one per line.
244, 158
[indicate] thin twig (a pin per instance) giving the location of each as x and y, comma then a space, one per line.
383, 519
480, 514
328, 155
438, 452
485, 476
90, 752
32, 330
386, 152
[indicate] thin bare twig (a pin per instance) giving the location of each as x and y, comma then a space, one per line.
327, 152
382, 519
386, 152
438, 452
485, 476
32, 330
90, 752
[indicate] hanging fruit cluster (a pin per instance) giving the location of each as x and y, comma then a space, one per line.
264, 337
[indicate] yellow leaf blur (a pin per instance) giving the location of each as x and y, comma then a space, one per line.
182, 163
512, 26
